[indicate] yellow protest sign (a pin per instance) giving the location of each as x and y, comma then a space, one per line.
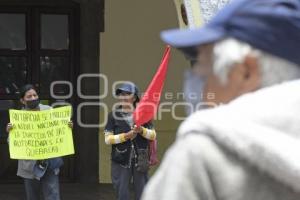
38, 135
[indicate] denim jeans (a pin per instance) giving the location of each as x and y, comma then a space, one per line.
121, 178
47, 187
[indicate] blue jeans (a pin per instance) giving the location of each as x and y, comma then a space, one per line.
121, 178
48, 187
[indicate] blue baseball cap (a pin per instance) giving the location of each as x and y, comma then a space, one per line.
128, 87
269, 25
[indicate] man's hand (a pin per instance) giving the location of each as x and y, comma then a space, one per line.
130, 135
9, 127
137, 130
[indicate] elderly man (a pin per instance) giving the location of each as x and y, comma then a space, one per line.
248, 148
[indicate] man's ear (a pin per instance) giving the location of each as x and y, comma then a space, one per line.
252, 74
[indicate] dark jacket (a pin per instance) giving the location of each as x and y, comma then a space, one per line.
121, 152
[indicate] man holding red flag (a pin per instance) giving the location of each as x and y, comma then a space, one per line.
130, 132
130, 144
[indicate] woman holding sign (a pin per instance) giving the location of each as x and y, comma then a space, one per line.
38, 175
130, 144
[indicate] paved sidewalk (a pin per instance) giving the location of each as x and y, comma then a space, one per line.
69, 191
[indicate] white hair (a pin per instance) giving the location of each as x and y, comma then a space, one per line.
273, 69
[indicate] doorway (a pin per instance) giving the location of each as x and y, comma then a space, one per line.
38, 45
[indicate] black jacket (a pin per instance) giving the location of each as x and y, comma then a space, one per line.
121, 152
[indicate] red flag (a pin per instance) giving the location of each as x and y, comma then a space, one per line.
147, 107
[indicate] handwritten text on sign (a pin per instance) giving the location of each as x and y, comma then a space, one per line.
40, 135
